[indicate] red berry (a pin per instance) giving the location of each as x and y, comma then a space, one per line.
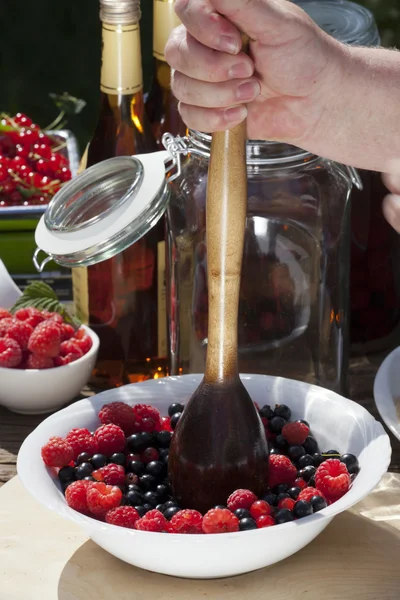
148, 455
22, 151
57, 452
220, 520
98, 475
3, 174
265, 521
113, 474
36, 361
16, 198
153, 521
42, 150
308, 493
31, 315
241, 499
69, 347
9, 186
332, 479
44, 139
41, 166
4, 314
147, 417
54, 162
83, 340
110, 438
123, 516
10, 353
81, 440
27, 137
281, 470
60, 361
63, 174
299, 482
187, 521
287, 503
46, 339
260, 508
166, 424
101, 498
67, 332
75, 495
120, 414
20, 331
22, 120
54, 316
5, 323
295, 433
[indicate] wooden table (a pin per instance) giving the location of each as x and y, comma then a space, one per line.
14, 428
45, 557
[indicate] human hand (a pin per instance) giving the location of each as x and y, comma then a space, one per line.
283, 88
391, 204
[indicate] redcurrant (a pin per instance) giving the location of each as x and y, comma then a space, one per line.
22, 120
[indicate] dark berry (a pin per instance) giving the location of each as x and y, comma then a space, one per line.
175, 419
131, 479
163, 491
163, 455
134, 498
281, 488
151, 498
149, 454
134, 487
282, 496
281, 410
141, 510
303, 421
275, 451
311, 483
82, 458
247, 524
163, 439
170, 503
294, 492
331, 454
175, 408
221, 506
160, 507
351, 463
318, 459
137, 467
170, 512
318, 503
139, 441
118, 459
281, 443
302, 508
283, 515
64, 485
98, 461
305, 461
147, 482
266, 412
90, 478
311, 445
276, 424
242, 513
307, 473
155, 468
66, 474
270, 498
295, 453
83, 470
148, 506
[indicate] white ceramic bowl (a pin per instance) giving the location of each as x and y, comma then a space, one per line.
40, 391
387, 391
335, 421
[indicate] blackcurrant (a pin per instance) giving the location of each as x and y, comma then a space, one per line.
118, 459
141, 510
163, 455
247, 524
66, 474
170, 512
242, 513
305, 461
147, 482
266, 412
281, 488
270, 498
98, 461
175, 408
276, 424
295, 453
171, 503
281, 443
281, 410
307, 473
294, 492
351, 463
163, 491
283, 515
83, 470
134, 498
136, 466
318, 503
163, 439
311, 445
83, 457
155, 468
151, 498
302, 508
174, 419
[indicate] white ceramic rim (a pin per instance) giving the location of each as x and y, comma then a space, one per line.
383, 393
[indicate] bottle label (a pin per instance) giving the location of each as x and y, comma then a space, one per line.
121, 67
161, 301
164, 21
80, 292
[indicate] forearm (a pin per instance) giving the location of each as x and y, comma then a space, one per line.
361, 122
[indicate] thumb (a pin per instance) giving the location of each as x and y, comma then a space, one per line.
391, 204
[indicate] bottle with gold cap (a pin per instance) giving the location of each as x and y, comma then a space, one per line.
162, 106
123, 298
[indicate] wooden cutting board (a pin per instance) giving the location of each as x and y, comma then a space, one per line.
43, 557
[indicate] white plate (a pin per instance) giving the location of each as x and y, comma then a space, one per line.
387, 391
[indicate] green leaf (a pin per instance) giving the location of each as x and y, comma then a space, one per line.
68, 104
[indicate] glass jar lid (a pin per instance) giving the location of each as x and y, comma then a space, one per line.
104, 210
346, 21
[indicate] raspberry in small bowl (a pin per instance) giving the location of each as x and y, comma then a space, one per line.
44, 362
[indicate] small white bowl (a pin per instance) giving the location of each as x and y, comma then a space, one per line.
40, 391
387, 391
336, 422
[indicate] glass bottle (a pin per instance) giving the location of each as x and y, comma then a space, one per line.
161, 104
123, 298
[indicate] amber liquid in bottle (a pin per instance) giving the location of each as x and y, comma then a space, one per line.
161, 104
123, 298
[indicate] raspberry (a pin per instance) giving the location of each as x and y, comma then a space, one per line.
187, 521
113, 474
70, 347
10, 353
55, 317
75, 495
287, 503
4, 325
147, 417
4, 314
45, 339
101, 498
110, 438
81, 440
308, 493
60, 361
120, 414
295, 433
123, 516
20, 331
281, 470
332, 479
30, 315
35, 361
57, 452
241, 499
67, 332
166, 424
260, 508
83, 340
220, 520
153, 521
265, 521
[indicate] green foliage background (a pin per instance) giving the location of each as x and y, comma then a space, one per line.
54, 46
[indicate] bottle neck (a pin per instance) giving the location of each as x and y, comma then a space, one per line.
164, 21
121, 66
